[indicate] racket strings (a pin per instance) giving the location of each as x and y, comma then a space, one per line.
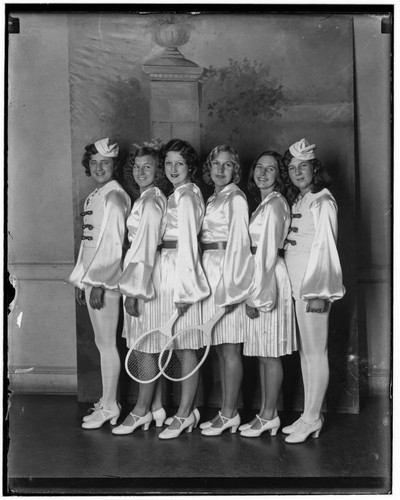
183, 354
142, 361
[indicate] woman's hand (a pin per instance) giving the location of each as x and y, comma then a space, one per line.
316, 305
252, 312
230, 307
96, 299
80, 296
182, 307
131, 306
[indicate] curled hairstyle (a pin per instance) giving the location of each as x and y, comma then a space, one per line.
224, 148
187, 152
279, 185
90, 150
160, 180
320, 179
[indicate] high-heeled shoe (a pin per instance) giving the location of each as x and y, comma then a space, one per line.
266, 425
248, 425
227, 423
95, 407
303, 430
186, 424
196, 414
137, 422
100, 416
159, 416
291, 428
208, 423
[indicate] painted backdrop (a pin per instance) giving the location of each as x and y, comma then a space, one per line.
263, 81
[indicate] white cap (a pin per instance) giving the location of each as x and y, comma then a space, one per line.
302, 150
104, 149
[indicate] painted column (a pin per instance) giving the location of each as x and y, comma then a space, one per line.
175, 88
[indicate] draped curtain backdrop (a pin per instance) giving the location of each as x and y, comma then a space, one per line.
257, 81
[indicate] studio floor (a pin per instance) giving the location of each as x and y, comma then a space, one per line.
49, 453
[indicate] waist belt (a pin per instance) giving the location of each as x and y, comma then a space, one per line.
218, 245
281, 251
169, 244
158, 249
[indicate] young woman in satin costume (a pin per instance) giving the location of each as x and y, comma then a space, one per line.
315, 273
183, 284
140, 280
227, 262
271, 329
99, 259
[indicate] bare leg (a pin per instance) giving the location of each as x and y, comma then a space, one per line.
233, 373
273, 376
157, 398
189, 389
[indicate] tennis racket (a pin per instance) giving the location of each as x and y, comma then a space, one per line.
141, 362
187, 350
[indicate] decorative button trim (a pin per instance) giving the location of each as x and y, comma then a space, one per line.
87, 226
86, 238
88, 212
296, 216
291, 242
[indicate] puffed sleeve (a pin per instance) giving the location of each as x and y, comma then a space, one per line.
235, 282
136, 280
106, 262
190, 281
323, 276
264, 287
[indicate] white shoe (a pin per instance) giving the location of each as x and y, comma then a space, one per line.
186, 424
266, 425
292, 427
227, 423
206, 425
100, 416
137, 422
249, 425
96, 406
196, 413
159, 417
303, 430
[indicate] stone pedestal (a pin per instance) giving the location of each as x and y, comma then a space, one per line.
175, 93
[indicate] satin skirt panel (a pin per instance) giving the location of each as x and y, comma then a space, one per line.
230, 328
169, 266
149, 315
273, 333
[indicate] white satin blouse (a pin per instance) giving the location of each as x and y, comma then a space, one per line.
269, 225
185, 212
314, 230
227, 220
100, 253
146, 224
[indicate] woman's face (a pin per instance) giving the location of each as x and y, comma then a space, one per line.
222, 168
144, 171
176, 169
266, 173
301, 174
101, 168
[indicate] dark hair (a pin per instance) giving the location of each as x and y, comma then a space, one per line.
160, 180
90, 150
237, 170
279, 185
320, 178
187, 152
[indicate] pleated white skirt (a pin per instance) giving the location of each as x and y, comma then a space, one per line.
273, 334
230, 328
169, 267
149, 315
